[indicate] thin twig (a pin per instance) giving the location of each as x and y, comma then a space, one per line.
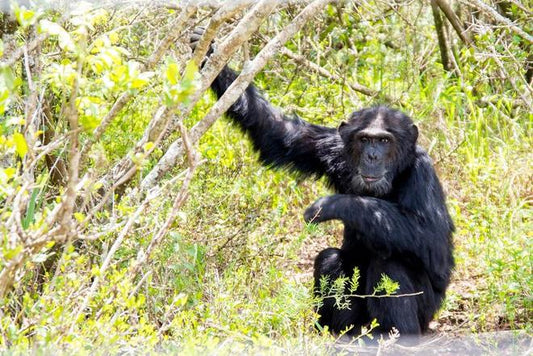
325, 73
374, 295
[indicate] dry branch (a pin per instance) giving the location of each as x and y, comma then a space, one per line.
222, 15
455, 21
325, 73
502, 19
441, 37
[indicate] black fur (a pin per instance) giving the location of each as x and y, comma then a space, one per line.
398, 225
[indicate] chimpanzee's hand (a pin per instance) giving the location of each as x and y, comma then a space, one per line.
197, 33
315, 212
335, 206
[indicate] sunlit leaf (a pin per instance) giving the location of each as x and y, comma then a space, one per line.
10, 253
190, 71
25, 17
148, 146
79, 217
172, 73
20, 144
50, 27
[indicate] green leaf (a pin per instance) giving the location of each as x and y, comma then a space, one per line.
11, 253
148, 146
137, 83
79, 217
172, 73
64, 39
20, 144
4, 100
354, 281
190, 71
141, 80
89, 122
24, 16
8, 79
387, 285
30, 213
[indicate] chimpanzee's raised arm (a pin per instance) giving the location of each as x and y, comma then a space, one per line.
282, 141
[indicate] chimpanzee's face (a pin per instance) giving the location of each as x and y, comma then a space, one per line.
380, 143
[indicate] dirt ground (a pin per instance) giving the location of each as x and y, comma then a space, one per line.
494, 343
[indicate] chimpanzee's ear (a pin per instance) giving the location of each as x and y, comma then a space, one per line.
342, 124
345, 130
414, 132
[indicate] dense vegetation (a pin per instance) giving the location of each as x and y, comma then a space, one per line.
216, 256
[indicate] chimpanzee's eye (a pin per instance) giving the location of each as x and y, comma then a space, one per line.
384, 140
364, 139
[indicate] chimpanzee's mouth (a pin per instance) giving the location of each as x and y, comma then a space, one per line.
369, 179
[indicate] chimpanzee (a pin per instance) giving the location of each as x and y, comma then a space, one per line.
388, 197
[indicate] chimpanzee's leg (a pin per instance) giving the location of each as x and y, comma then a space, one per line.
331, 264
406, 314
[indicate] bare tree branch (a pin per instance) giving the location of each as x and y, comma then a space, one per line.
455, 21
441, 37
223, 14
325, 73
502, 19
